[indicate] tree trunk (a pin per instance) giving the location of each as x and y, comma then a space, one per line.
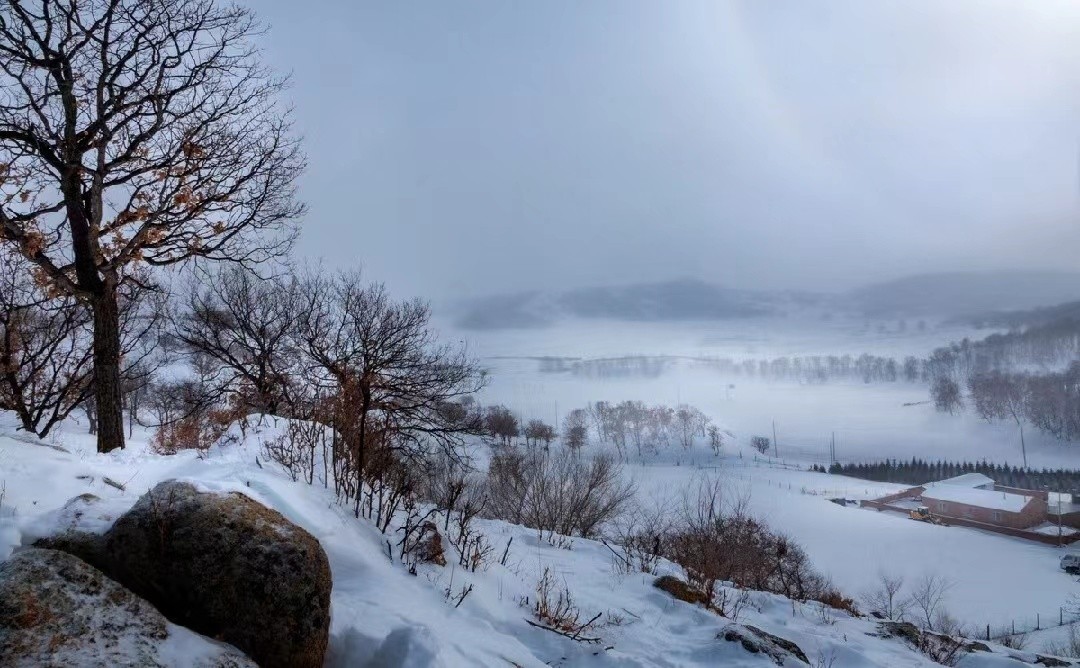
107, 391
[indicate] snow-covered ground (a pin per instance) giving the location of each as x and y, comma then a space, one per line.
383, 616
996, 579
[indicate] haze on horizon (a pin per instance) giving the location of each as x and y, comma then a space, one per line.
479, 147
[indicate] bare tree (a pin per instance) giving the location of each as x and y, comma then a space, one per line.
45, 352
760, 443
946, 395
394, 377
46, 349
500, 423
1001, 396
887, 599
136, 134
928, 596
716, 439
538, 431
247, 325
688, 420
576, 428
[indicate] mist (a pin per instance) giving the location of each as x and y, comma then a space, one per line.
479, 148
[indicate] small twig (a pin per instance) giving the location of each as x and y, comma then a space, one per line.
591, 641
506, 552
112, 483
584, 627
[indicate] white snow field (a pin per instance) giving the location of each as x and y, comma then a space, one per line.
996, 579
385, 617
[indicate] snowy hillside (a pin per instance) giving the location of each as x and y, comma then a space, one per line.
384, 616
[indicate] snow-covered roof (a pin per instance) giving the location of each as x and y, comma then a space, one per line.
983, 498
967, 480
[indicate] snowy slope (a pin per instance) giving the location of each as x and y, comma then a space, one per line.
383, 616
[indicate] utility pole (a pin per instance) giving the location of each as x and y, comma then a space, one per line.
832, 450
775, 445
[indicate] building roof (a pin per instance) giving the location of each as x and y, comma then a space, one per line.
983, 498
967, 480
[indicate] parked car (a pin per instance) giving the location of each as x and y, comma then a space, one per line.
1070, 563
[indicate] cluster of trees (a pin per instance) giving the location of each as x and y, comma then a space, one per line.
918, 471
647, 429
821, 368
1045, 346
1049, 401
624, 425
138, 136
811, 369
632, 366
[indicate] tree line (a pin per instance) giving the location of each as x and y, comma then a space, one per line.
919, 471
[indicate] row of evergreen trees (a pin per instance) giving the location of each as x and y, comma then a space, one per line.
917, 472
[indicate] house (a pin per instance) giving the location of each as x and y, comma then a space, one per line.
973, 497
1001, 506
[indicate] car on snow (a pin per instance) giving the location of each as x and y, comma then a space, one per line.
1070, 563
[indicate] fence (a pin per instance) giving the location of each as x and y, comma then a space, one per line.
1039, 622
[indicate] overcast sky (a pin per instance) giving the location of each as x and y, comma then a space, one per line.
461, 148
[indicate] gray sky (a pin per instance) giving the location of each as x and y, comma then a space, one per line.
466, 147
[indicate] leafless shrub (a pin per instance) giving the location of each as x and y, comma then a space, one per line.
554, 607
640, 538
299, 450
1068, 647
556, 492
729, 602
887, 599
1018, 641
717, 540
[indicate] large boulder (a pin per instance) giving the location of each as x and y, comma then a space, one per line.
57, 610
229, 568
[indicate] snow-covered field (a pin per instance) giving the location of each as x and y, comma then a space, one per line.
996, 579
869, 421
383, 616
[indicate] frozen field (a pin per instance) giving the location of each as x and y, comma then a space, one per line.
996, 579
870, 421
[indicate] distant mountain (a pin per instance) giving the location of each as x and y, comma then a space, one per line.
679, 300
964, 294
975, 297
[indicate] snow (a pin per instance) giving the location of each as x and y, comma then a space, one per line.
1051, 529
968, 480
384, 617
983, 498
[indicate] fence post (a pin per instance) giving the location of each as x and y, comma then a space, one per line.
1061, 616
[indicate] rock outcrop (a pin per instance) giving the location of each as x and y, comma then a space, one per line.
756, 641
227, 567
57, 610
